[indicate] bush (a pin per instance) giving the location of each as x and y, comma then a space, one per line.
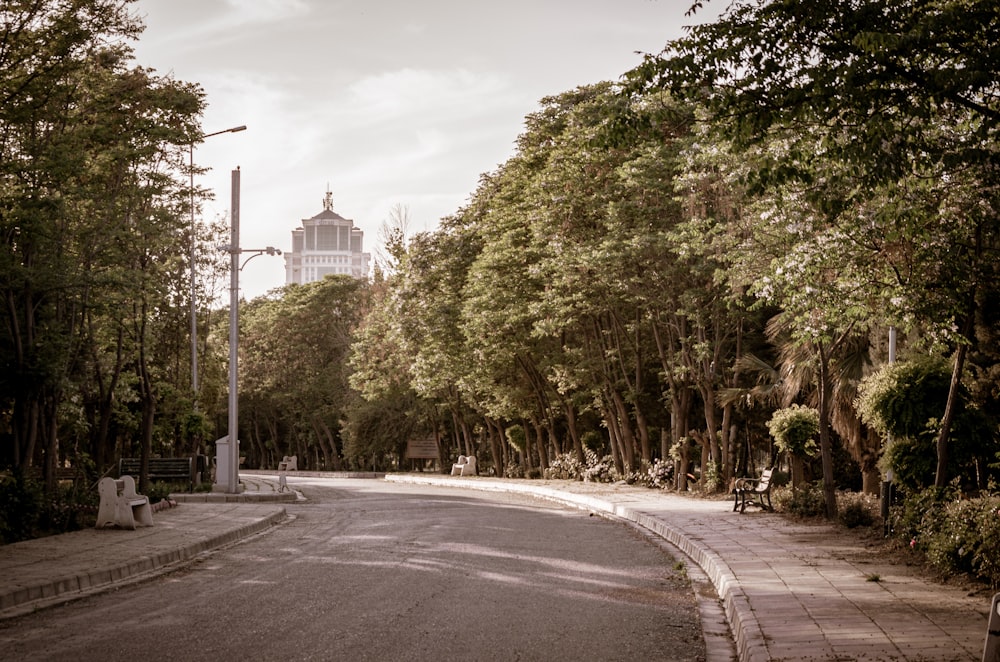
565, 467
30, 512
857, 510
513, 470
22, 500
957, 535
661, 474
806, 501
600, 470
794, 430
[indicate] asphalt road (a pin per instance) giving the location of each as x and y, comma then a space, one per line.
368, 570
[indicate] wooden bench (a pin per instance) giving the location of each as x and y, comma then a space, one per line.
753, 491
175, 469
466, 466
121, 506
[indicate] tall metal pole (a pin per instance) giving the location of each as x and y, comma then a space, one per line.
194, 270
887, 487
194, 257
233, 480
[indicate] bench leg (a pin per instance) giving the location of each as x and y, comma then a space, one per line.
142, 515
105, 514
124, 517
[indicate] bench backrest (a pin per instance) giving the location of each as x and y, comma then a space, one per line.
173, 466
111, 488
765, 480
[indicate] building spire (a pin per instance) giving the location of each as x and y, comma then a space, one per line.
328, 199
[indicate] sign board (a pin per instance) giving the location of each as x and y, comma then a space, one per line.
422, 449
991, 651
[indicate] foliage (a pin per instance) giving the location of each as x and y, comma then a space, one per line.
957, 535
29, 511
857, 510
94, 203
565, 467
296, 367
806, 501
904, 402
794, 430
22, 499
600, 469
900, 398
661, 474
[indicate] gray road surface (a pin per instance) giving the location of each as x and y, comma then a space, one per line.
373, 571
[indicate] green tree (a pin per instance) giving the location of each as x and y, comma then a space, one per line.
858, 98
89, 183
295, 370
903, 402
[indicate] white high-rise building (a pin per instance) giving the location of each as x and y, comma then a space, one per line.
326, 244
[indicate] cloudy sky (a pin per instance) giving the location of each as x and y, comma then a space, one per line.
385, 102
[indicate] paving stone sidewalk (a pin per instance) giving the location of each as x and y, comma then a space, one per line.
45, 571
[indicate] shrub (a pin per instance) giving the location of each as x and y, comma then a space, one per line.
957, 535
30, 512
905, 401
565, 467
661, 474
857, 510
806, 501
513, 470
22, 500
794, 430
600, 470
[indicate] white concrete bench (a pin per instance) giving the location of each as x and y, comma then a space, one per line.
288, 463
120, 505
466, 466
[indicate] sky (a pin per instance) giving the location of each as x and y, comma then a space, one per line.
381, 102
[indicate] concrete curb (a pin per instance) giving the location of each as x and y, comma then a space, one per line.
32, 596
751, 645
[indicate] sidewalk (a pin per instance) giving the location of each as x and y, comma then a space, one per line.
787, 592
46, 571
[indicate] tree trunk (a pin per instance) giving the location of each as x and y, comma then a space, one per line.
574, 433
941, 472
614, 434
825, 442
627, 436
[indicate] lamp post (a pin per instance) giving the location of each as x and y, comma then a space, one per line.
194, 256
227, 452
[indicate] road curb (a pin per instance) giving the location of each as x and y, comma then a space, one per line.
32, 596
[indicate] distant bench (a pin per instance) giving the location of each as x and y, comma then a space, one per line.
170, 469
466, 466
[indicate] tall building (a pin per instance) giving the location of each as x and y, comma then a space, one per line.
326, 244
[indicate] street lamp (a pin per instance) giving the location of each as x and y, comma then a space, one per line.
194, 255
227, 449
